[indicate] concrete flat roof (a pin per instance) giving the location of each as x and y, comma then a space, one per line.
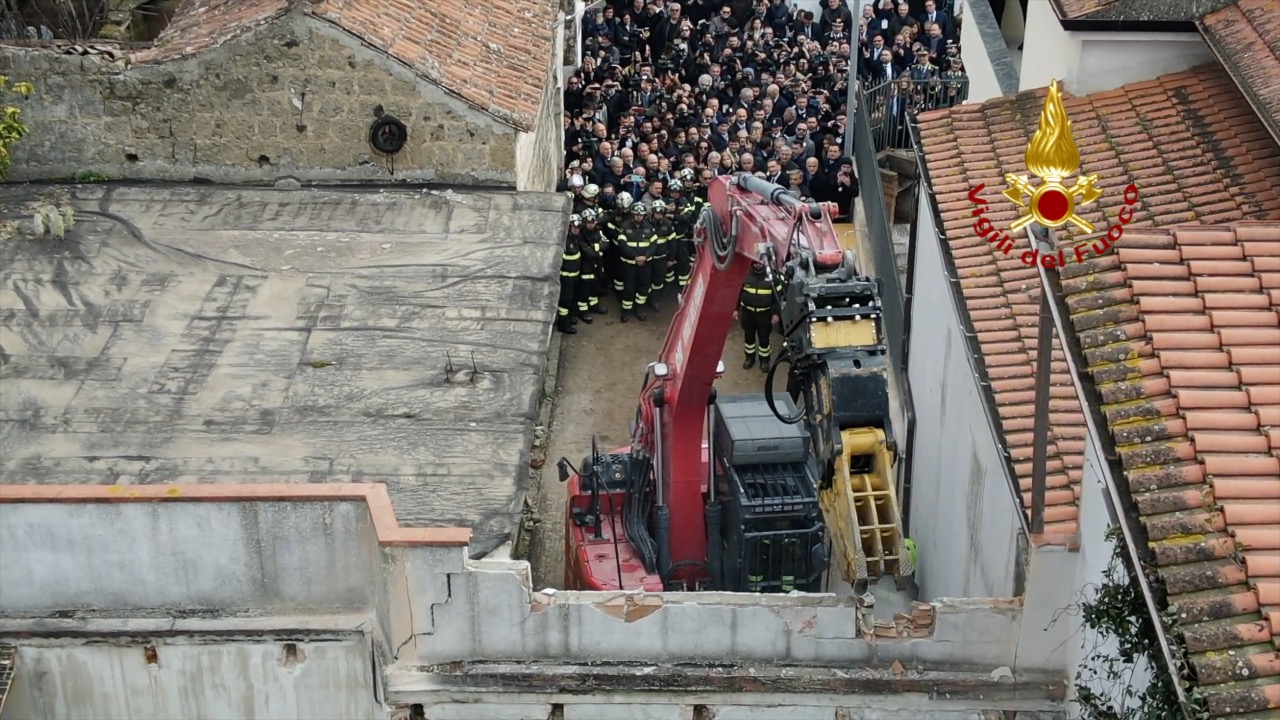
205, 334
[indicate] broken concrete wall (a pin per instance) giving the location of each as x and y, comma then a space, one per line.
293, 98
471, 640
486, 611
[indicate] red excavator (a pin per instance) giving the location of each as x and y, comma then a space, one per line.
755, 493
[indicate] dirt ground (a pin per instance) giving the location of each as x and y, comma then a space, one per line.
597, 390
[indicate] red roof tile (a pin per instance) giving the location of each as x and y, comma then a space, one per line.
1194, 148
493, 56
1246, 39
198, 25
1198, 441
1078, 9
497, 63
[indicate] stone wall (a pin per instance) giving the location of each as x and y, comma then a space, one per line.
293, 98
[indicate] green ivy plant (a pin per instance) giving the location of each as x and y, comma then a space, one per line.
1116, 610
12, 128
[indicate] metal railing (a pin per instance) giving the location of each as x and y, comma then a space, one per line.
894, 103
879, 239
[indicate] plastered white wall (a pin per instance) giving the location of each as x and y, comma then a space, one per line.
964, 519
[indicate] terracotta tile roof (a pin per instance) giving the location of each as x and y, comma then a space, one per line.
1181, 332
198, 25
1195, 150
1078, 9
1246, 39
494, 56
1164, 11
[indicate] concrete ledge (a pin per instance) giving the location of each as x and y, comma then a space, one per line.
308, 625
389, 531
682, 684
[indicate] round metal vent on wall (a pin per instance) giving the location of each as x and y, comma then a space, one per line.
388, 135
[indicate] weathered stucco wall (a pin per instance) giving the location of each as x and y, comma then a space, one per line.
965, 519
313, 680
272, 558
293, 98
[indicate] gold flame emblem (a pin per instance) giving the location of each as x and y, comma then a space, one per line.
1052, 156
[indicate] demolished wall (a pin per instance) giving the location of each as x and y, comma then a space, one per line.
472, 634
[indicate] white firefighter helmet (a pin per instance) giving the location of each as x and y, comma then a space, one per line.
658, 206
624, 200
590, 191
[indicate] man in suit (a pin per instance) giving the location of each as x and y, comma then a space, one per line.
901, 20
805, 26
884, 70
897, 111
936, 43
933, 15
773, 173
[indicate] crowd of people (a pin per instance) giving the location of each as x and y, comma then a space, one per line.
669, 95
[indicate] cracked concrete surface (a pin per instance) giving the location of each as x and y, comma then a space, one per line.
205, 334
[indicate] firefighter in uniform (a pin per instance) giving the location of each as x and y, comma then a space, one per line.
570, 272
755, 310
593, 248
663, 236
685, 210
612, 227
635, 241
588, 200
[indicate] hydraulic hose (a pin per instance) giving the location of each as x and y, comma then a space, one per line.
722, 243
787, 358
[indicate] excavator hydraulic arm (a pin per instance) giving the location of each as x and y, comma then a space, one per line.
839, 366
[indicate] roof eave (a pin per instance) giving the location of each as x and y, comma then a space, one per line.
1269, 121
1089, 24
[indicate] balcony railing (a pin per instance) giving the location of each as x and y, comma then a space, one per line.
892, 104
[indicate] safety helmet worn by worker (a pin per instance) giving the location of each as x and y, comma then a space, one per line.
575, 221
576, 181
638, 208
686, 174
658, 206
624, 200
675, 186
590, 191
590, 215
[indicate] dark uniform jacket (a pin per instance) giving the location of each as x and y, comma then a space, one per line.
663, 233
635, 240
757, 293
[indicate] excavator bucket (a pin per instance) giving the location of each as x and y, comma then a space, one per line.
861, 508
836, 322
